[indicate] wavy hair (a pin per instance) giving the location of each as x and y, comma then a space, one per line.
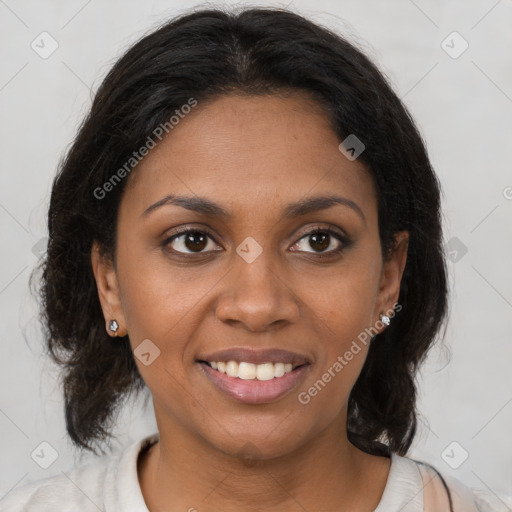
256, 51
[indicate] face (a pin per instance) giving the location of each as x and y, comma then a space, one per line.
269, 271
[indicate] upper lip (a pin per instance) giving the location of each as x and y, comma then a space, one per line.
256, 356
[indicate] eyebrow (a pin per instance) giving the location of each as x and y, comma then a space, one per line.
204, 206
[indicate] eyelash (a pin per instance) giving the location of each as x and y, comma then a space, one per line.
345, 241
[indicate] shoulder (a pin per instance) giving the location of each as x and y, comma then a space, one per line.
89, 487
78, 489
440, 490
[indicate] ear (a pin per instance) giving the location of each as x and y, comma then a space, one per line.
391, 276
108, 290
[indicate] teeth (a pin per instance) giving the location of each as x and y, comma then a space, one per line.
232, 368
278, 369
250, 371
264, 371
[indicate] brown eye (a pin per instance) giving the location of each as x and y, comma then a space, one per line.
196, 242
321, 241
189, 242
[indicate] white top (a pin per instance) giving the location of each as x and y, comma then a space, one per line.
110, 484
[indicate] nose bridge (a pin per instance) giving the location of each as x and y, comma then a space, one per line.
256, 295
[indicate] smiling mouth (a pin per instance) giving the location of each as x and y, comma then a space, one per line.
254, 383
250, 371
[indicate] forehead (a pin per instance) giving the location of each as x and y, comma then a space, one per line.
246, 151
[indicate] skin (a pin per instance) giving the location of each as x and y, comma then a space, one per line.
252, 155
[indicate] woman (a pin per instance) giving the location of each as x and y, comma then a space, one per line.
249, 225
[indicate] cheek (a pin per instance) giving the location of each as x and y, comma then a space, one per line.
345, 310
160, 305
345, 299
164, 304
156, 297
342, 353
344, 306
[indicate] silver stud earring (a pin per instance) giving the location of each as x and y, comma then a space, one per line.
113, 326
385, 319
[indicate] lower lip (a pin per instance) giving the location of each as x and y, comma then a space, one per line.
255, 391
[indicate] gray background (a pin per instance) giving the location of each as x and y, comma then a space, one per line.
464, 108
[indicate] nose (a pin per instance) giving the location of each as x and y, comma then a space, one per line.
256, 296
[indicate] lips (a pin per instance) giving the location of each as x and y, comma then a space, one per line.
255, 391
256, 356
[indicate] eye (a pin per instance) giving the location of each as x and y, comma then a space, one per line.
318, 241
190, 241
321, 240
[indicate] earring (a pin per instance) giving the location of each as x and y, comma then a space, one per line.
113, 326
385, 319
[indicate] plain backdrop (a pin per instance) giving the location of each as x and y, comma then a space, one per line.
458, 87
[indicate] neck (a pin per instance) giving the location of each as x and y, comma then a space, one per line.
182, 472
